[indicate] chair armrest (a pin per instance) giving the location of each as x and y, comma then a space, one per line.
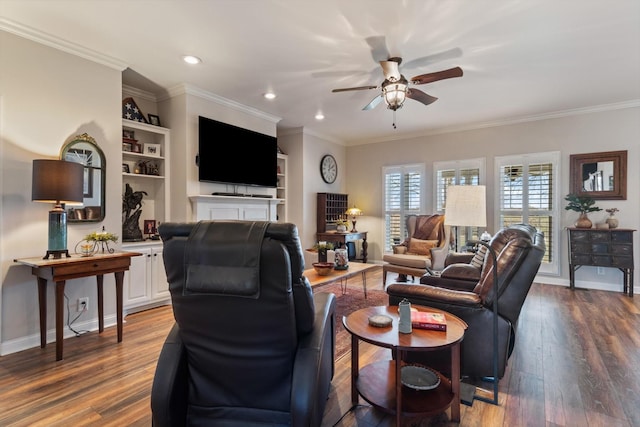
314, 364
400, 249
462, 272
422, 294
458, 258
169, 391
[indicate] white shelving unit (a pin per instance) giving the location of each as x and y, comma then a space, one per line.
281, 190
146, 282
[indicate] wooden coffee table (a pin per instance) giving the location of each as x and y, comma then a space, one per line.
342, 275
378, 383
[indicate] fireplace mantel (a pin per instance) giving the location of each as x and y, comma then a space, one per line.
206, 208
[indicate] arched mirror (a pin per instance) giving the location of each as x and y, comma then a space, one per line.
84, 149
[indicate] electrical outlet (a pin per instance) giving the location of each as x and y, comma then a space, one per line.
83, 304
600, 271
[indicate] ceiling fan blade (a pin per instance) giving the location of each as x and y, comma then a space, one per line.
373, 104
420, 96
354, 88
438, 75
390, 70
378, 45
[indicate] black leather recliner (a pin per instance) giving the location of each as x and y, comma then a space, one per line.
519, 249
252, 345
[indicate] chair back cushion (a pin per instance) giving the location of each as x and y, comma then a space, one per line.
240, 342
425, 232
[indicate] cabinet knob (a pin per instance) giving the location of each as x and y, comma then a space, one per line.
148, 255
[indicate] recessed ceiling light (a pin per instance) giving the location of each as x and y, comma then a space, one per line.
319, 116
193, 60
270, 95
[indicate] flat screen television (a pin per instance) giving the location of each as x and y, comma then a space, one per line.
232, 155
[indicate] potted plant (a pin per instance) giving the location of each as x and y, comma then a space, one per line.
103, 237
583, 205
612, 220
322, 248
341, 226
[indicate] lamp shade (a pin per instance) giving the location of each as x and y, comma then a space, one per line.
57, 181
466, 205
353, 211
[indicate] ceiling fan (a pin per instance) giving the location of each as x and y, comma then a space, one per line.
395, 87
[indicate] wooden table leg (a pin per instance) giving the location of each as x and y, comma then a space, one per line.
119, 289
455, 382
365, 245
354, 369
100, 282
364, 283
42, 303
59, 318
398, 357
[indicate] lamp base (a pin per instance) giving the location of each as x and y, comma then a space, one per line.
57, 254
353, 230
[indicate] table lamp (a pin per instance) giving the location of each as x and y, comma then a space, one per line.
57, 182
353, 213
466, 206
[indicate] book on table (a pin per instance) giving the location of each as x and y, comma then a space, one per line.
428, 320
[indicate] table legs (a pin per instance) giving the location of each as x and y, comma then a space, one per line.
59, 318
42, 304
365, 245
455, 382
119, 290
100, 281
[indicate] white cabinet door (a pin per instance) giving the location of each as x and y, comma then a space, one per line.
136, 291
159, 285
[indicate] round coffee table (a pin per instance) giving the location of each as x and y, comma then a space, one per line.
379, 382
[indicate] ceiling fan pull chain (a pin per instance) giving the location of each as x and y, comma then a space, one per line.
394, 119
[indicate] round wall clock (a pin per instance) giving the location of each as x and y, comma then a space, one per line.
329, 169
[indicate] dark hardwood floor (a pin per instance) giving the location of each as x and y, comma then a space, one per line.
575, 363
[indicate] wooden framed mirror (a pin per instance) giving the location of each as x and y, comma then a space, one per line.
601, 176
84, 149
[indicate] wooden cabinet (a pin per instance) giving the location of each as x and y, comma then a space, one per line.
145, 167
602, 248
146, 284
331, 207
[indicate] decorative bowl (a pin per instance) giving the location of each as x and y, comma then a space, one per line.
323, 268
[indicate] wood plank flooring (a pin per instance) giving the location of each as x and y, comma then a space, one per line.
576, 363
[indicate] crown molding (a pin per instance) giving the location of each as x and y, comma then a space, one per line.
506, 122
186, 89
60, 44
139, 93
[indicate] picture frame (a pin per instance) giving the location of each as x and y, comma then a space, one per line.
128, 134
151, 149
601, 176
127, 146
136, 147
125, 168
154, 120
149, 227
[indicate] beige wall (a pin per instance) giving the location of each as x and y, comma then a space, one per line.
617, 129
48, 96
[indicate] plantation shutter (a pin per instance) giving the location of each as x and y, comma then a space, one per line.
402, 197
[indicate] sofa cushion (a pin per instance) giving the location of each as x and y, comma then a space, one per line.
406, 260
421, 247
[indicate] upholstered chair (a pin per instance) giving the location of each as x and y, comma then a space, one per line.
519, 249
252, 345
425, 247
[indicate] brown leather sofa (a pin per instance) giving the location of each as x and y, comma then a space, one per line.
425, 247
252, 345
519, 249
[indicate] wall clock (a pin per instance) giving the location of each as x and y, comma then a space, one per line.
329, 169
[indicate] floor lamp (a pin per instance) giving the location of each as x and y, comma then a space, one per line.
467, 207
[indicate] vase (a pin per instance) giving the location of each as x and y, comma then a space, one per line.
583, 221
612, 221
341, 228
322, 255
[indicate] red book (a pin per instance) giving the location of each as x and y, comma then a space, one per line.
428, 320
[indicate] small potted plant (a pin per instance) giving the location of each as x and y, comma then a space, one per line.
612, 220
322, 248
103, 238
341, 226
583, 205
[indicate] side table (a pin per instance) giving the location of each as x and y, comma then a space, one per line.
379, 382
60, 270
343, 238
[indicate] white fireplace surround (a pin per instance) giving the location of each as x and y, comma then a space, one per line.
206, 208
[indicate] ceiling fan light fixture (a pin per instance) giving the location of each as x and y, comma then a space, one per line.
270, 95
395, 93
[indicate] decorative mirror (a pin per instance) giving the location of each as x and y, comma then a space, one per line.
84, 149
600, 176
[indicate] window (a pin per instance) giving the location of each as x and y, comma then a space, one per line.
528, 193
402, 197
462, 172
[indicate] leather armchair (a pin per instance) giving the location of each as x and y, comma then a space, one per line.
519, 249
252, 345
425, 247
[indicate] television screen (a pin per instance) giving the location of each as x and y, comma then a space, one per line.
233, 155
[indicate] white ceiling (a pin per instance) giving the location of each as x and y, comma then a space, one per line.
521, 59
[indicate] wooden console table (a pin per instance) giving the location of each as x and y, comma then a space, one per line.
62, 269
602, 248
343, 238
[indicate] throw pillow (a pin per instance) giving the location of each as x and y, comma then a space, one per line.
421, 247
478, 259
